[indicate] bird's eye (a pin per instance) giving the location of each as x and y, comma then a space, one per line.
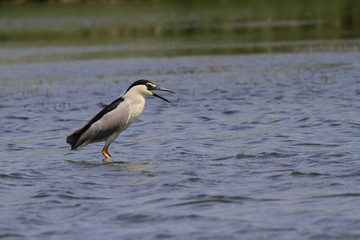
148, 85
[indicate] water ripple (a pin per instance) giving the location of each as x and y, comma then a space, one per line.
250, 147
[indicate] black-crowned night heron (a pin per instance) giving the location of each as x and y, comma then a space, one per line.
115, 118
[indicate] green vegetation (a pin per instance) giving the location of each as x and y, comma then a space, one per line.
188, 26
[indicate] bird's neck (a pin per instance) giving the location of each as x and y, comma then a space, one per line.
137, 102
135, 98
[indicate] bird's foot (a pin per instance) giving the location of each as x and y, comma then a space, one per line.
106, 155
105, 160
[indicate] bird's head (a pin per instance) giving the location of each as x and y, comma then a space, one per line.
146, 88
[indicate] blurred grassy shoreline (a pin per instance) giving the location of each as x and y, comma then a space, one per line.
153, 28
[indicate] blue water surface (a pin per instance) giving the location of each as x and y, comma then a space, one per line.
251, 147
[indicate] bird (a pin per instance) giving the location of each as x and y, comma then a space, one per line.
115, 117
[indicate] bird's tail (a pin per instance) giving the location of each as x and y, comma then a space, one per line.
73, 139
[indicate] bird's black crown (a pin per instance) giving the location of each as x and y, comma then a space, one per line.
139, 82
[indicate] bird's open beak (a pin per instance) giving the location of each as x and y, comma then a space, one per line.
161, 89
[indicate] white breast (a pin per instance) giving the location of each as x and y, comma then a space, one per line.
135, 111
137, 106
136, 97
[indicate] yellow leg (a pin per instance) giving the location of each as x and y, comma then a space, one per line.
106, 154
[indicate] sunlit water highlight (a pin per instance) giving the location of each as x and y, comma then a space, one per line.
252, 147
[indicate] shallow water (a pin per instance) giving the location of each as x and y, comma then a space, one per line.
252, 147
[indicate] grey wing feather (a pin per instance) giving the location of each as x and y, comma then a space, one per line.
111, 123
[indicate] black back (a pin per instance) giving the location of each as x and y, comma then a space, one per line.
74, 137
